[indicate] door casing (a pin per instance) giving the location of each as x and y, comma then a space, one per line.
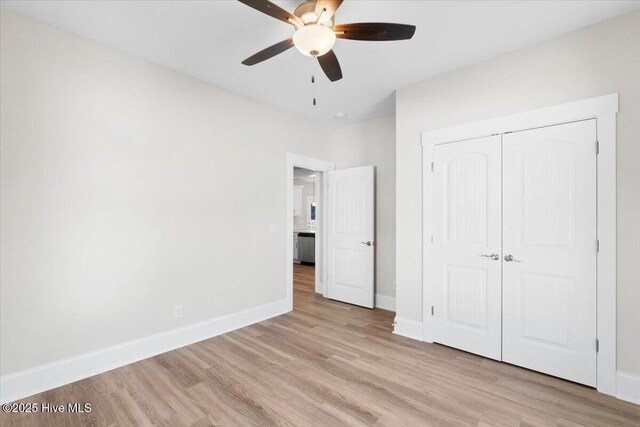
604, 110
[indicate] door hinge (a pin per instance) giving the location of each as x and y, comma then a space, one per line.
432, 310
597, 147
597, 246
431, 238
431, 166
597, 345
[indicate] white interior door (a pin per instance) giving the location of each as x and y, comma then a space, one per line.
467, 245
350, 235
549, 241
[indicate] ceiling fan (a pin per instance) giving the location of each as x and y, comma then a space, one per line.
316, 32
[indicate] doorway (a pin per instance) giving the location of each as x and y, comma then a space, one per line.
331, 228
306, 219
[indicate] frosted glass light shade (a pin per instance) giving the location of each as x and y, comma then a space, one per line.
314, 40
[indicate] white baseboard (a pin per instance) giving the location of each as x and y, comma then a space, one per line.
385, 302
51, 375
408, 328
628, 387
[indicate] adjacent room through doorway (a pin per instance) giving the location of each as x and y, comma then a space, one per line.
306, 191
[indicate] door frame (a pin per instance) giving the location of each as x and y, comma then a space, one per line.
603, 109
320, 166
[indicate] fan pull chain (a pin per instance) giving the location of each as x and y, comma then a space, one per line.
313, 81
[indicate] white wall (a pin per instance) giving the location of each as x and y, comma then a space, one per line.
124, 192
594, 61
373, 143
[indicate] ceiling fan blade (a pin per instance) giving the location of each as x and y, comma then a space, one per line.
330, 65
374, 31
269, 52
273, 10
329, 5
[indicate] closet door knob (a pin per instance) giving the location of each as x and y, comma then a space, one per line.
510, 258
494, 257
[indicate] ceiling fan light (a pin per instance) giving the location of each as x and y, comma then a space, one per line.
314, 40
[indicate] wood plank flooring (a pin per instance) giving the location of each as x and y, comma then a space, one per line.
326, 364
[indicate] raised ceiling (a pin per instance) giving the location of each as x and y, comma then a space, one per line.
209, 39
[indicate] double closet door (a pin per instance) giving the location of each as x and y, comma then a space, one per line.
515, 248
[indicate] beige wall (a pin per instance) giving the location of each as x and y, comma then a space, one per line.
598, 60
124, 191
373, 143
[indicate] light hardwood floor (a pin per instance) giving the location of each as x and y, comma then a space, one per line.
326, 363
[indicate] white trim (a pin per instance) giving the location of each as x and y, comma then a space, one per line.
604, 110
607, 257
325, 235
407, 328
385, 302
628, 387
580, 110
320, 203
296, 160
45, 377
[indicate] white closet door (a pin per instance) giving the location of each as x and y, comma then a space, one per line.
350, 232
467, 246
549, 299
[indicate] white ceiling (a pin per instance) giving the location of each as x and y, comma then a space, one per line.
209, 39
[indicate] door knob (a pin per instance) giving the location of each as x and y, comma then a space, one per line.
494, 257
510, 258
368, 243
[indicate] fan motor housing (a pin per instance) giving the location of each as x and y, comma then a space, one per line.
307, 12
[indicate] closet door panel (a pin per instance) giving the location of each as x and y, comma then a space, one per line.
549, 237
467, 246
